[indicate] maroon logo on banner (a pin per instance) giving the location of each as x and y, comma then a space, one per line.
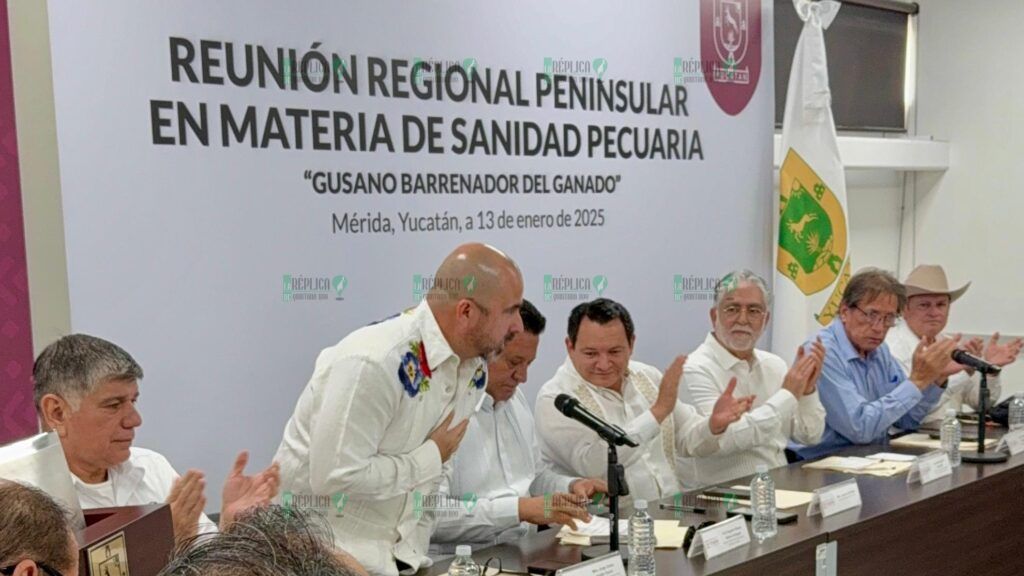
730, 50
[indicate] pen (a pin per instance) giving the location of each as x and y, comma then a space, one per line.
673, 507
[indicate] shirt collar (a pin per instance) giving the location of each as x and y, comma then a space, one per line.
437, 347
843, 341
576, 378
487, 403
723, 356
123, 478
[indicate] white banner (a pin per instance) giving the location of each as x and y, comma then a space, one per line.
246, 182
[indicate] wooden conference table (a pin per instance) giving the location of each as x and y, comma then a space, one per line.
969, 523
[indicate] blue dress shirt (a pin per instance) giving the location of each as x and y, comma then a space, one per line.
863, 397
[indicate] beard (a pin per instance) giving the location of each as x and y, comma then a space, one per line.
488, 348
738, 341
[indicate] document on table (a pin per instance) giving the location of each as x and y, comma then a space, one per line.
668, 533
598, 526
783, 498
857, 465
925, 441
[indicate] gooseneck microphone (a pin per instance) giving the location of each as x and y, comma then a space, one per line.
609, 432
961, 357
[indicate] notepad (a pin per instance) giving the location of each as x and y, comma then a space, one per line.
786, 498
669, 534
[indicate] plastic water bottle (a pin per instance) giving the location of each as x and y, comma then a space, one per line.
762, 500
464, 564
641, 541
1017, 412
950, 437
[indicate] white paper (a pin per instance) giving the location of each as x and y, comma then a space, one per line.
893, 457
598, 526
853, 462
720, 538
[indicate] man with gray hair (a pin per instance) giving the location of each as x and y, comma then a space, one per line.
35, 535
85, 390
863, 388
267, 541
786, 405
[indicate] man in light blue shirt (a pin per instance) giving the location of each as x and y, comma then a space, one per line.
863, 388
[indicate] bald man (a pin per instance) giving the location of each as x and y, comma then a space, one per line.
374, 430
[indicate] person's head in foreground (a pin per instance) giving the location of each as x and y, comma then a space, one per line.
871, 304
35, 536
269, 541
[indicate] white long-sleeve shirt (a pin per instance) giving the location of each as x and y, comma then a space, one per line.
497, 464
145, 478
759, 436
961, 388
360, 435
573, 449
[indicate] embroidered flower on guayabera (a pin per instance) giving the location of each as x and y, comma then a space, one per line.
479, 379
414, 373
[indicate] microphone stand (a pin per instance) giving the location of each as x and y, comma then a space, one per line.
982, 457
617, 486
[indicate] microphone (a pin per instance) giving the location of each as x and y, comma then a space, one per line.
961, 357
609, 432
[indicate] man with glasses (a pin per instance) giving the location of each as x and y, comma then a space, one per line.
35, 535
385, 409
928, 301
863, 388
786, 405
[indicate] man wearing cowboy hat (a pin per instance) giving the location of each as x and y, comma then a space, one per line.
928, 302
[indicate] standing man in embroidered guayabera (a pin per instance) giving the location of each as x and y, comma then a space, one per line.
387, 406
629, 394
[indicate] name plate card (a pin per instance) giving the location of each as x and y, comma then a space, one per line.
1012, 442
720, 538
835, 498
928, 467
607, 565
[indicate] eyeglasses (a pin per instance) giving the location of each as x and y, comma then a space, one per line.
754, 313
486, 571
8, 571
874, 318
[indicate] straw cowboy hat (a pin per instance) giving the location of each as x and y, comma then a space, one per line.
927, 279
